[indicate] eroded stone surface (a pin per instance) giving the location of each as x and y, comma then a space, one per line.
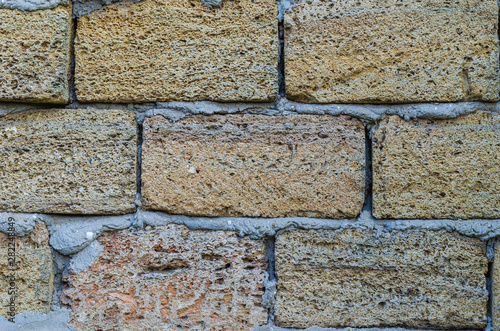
250, 165
363, 278
496, 290
162, 50
35, 55
169, 277
437, 169
32, 271
392, 51
68, 161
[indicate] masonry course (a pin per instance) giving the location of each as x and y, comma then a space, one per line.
258, 166
68, 161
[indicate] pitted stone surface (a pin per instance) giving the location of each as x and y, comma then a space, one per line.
31, 271
364, 278
35, 55
391, 51
176, 50
68, 161
251, 165
496, 289
169, 277
437, 169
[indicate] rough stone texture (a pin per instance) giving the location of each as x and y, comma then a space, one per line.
251, 165
496, 289
35, 55
68, 161
160, 50
32, 272
392, 51
437, 169
364, 278
167, 278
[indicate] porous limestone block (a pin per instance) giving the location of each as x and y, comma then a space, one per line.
170, 277
361, 51
415, 279
437, 169
495, 302
178, 50
79, 161
27, 271
35, 49
254, 165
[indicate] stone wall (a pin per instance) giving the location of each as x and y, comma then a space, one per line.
249, 165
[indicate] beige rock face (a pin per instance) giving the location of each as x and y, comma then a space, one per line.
392, 51
437, 169
32, 271
361, 278
167, 277
35, 55
162, 50
496, 290
68, 161
251, 165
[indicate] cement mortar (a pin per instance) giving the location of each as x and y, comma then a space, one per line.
30, 5
69, 235
257, 228
53, 321
365, 112
368, 114
23, 223
83, 260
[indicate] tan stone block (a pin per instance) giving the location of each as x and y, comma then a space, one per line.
392, 51
252, 165
68, 161
437, 169
495, 302
164, 277
363, 278
35, 55
164, 50
30, 272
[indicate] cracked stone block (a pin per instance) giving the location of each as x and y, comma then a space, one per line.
437, 169
391, 51
416, 279
67, 161
253, 165
29, 274
35, 55
177, 50
170, 277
